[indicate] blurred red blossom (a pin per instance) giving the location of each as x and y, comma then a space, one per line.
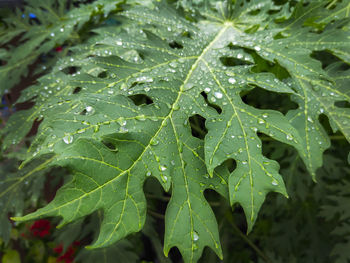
41, 228
68, 256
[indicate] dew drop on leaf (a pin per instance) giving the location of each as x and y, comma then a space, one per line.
140, 117
232, 80
89, 109
154, 142
218, 95
68, 139
274, 182
289, 137
122, 129
195, 236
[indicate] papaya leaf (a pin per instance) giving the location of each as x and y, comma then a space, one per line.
127, 112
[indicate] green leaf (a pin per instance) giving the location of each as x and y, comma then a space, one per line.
57, 23
17, 188
126, 114
11, 256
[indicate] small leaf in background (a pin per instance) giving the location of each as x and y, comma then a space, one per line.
11, 256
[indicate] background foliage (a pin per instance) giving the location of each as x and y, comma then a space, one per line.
84, 82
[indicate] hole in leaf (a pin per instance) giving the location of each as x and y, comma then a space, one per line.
198, 128
263, 99
175, 255
254, 12
140, 99
70, 70
102, 75
252, 29
110, 146
231, 61
261, 65
34, 129
231, 164
342, 104
175, 45
324, 121
214, 106
325, 58
76, 90
214, 198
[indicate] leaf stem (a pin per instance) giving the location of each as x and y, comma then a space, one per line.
331, 4
155, 214
246, 239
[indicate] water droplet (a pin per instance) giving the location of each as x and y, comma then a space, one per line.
144, 79
176, 106
173, 64
154, 142
119, 43
239, 56
172, 162
52, 34
162, 168
140, 117
218, 95
122, 129
310, 119
61, 29
232, 80
121, 121
195, 236
89, 109
148, 173
265, 115
244, 162
289, 137
257, 48
274, 182
207, 90
68, 139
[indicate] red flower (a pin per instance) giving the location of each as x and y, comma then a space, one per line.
59, 49
58, 249
41, 228
68, 256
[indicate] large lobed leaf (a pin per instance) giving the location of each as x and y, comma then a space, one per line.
39, 28
95, 125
